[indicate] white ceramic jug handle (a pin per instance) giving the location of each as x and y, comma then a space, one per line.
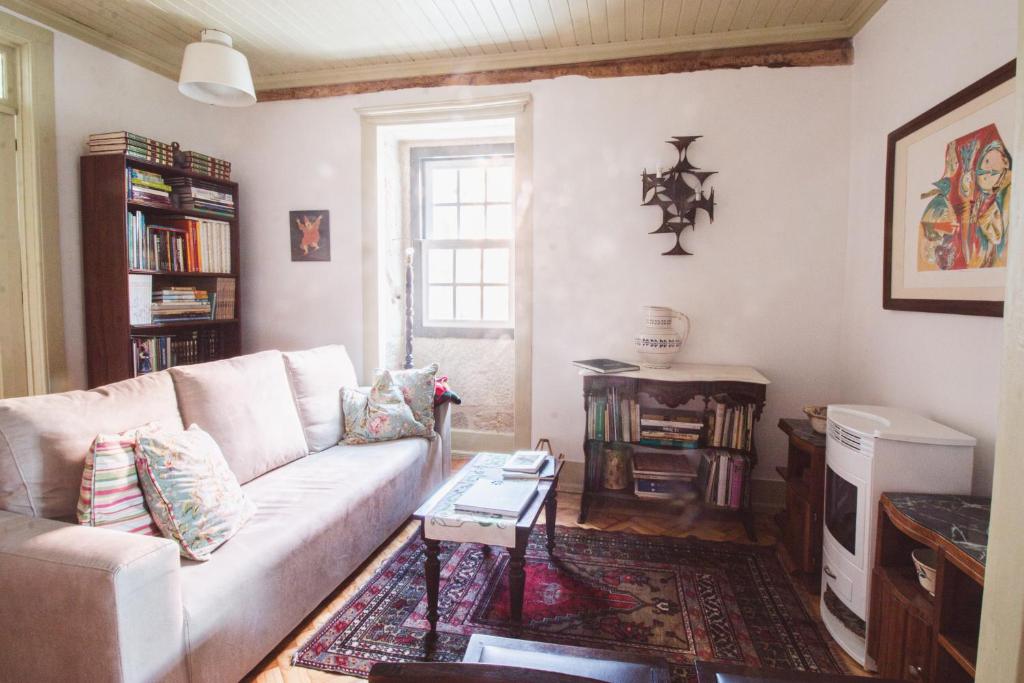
686, 319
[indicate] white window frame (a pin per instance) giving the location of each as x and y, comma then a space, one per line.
422, 162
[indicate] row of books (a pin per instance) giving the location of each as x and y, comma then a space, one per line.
207, 165
677, 430
147, 186
132, 145
722, 477
184, 245
732, 426
193, 194
150, 354
181, 303
613, 417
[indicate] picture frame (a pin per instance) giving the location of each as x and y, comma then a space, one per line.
310, 235
947, 217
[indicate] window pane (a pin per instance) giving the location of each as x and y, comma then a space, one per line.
472, 226
467, 266
495, 266
499, 184
499, 220
440, 268
445, 185
471, 188
445, 223
467, 303
496, 303
439, 303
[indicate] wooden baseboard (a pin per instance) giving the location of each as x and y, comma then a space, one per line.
812, 53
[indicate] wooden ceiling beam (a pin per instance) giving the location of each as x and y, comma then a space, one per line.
815, 53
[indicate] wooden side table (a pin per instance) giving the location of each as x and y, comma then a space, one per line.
804, 474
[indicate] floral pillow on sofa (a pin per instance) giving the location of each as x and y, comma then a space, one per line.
381, 415
417, 387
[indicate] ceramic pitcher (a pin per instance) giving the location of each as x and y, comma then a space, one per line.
658, 343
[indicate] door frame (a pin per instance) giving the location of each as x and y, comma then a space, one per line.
517, 107
39, 227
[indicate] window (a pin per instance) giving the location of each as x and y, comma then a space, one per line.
464, 224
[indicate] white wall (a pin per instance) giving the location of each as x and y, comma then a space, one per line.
761, 288
912, 55
97, 92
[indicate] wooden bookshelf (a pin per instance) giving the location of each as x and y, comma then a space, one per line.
105, 206
685, 388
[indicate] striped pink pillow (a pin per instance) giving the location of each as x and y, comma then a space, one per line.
110, 496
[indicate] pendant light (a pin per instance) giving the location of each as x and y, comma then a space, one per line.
212, 71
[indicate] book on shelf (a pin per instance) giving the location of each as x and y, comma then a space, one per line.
151, 354
507, 498
605, 366
184, 245
546, 471
525, 461
200, 195
722, 477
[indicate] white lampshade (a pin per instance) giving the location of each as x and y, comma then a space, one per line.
215, 73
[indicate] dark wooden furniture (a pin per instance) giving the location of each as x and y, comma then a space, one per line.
714, 672
801, 520
913, 636
674, 388
105, 266
545, 498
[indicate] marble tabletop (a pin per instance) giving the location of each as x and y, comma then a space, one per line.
961, 519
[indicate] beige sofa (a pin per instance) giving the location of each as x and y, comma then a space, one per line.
87, 604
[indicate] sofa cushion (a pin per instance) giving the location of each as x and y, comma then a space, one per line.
111, 496
316, 377
317, 521
246, 405
194, 497
44, 439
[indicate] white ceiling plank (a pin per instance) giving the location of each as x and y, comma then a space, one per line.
726, 15
598, 10
744, 14
579, 13
563, 22
687, 23
634, 20
669, 18
616, 14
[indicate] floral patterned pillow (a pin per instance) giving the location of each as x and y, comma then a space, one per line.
192, 494
417, 387
383, 415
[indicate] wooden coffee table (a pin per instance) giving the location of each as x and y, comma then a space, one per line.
440, 522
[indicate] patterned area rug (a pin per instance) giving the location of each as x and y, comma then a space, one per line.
678, 598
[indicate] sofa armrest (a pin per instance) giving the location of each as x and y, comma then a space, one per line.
443, 426
111, 600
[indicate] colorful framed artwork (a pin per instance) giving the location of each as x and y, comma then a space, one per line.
310, 233
947, 205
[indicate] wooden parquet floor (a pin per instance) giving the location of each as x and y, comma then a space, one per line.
605, 515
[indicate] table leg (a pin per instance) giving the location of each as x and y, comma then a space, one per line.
516, 580
550, 514
432, 567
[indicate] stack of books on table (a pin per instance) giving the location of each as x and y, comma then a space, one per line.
659, 474
722, 477
529, 465
132, 145
181, 303
193, 194
147, 186
677, 430
207, 165
506, 497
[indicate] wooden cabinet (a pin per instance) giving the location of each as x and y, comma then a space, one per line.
914, 636
804, 473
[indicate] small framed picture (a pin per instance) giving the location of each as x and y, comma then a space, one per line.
947, 204
310, 235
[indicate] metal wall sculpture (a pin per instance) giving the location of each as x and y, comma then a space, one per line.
680, 193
